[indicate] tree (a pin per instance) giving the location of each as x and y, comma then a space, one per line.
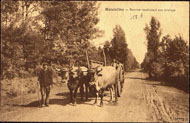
9, 9
117, 49
131, 62
73, 26
21, 39
52, 31
176, 57
95, 54
166, 59
119, 45
153, 33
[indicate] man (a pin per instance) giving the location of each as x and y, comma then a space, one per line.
46, 80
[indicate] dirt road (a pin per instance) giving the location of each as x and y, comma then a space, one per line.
141, 101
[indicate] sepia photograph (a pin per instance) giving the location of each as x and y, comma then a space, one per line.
94, 61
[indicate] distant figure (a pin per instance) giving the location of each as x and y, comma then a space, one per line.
46, 80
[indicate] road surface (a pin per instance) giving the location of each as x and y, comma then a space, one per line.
141, 101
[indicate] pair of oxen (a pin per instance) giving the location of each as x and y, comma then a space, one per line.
100, 78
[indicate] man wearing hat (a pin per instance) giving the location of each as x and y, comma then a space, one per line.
46, 80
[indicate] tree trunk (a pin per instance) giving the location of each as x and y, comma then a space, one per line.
87, 59
104, 57
149, 73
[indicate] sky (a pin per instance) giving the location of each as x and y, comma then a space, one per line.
133, 19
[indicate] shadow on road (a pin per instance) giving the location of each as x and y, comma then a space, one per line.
64, 94
137, 78
176, 84
32, 104
58, 101
168, 84
62, 102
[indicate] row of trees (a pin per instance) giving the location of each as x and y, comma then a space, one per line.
58, 32
166, 59
118, 49
53, 31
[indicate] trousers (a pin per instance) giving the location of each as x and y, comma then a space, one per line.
45, 91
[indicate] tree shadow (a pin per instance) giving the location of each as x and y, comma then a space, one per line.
56, 101
176, 85
62, 101
32, 104
64, 94
137, 78
180, 86
59, 101
105, 101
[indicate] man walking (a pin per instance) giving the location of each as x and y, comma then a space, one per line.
46, 80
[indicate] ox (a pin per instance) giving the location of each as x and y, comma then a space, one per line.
75, 78
105, 77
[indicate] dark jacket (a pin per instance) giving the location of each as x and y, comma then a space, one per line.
45, 77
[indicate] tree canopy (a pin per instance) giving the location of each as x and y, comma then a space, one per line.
52, 31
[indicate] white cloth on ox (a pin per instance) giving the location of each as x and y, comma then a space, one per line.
75, 70
84, 70
64, 69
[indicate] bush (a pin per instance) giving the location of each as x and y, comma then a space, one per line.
20, 86
16, 88
24, 74
9, 74
31, 71
157, 70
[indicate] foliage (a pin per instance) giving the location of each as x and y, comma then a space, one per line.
176, 57
131, 62
19, 86
37, 31
71, 25
168, 59
117, 49
153, 33
119, 45
95, 54
157, 70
